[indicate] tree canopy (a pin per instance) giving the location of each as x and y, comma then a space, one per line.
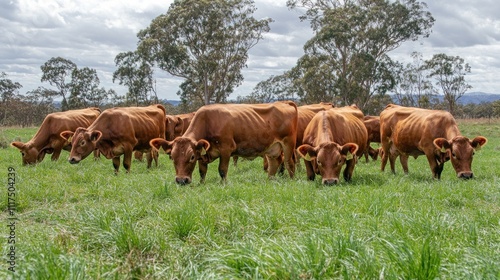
206, 42
351, 42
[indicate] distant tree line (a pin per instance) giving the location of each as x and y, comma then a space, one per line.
206, 43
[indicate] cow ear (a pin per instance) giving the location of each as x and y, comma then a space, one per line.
202, 146
478, 142
307, 152
442, 144
21, 146
67, 135
95, 136
349, 150
158, 143
179, 126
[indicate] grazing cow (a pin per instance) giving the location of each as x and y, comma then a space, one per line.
47, 139
372, 124
331, 139
176, 125
225, 130
305, 113
119, 131
408, 131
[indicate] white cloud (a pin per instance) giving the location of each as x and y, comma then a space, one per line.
91, 33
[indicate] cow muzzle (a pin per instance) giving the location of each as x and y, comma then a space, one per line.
182, 180
73, 160
330, 182
465, 175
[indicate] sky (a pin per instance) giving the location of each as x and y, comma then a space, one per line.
92, 32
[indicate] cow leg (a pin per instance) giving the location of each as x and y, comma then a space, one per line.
289, 157
116, 164
155, 154
349, 169
224, 166
149, 158
203, 168
310, 170
435, 165
272, 165
127, 160
404, 162
366, 153
56, 154
385, 156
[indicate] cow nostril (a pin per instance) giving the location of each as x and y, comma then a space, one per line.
72, 160
466, 176
330, 182
182, 181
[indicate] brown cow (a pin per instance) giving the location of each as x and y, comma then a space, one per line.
331, 139
225, 130
47, 139
119, 131
372, 124
305, 113
409, 131
176, 125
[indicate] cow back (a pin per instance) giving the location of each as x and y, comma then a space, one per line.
135, 125
338, 127
250, 128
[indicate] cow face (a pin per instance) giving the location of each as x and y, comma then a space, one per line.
30, 154
184, 152
83, 143
328, 159
460, 151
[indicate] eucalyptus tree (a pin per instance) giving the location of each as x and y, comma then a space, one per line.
353, 39
9, 92
449, 73
206, 42
413, 87
135, 72
85, 91
57, 71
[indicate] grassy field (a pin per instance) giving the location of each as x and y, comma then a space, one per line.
83, 222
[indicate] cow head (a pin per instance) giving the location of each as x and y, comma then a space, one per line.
29, 153
460, 151
184, 152
329, 158
174, 127
83, 143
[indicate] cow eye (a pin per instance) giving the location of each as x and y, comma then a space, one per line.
454, 155
192, 158
82, 143
319, 163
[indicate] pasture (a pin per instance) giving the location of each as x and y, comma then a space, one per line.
83, 222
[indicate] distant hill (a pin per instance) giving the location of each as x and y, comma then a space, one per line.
478, 97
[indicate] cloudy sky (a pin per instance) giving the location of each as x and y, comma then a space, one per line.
91, 33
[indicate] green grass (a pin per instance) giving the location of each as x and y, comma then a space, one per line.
83, 222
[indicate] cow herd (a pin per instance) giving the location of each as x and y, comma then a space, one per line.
326, 137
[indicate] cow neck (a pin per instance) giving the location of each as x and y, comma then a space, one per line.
452, 132
41, 136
